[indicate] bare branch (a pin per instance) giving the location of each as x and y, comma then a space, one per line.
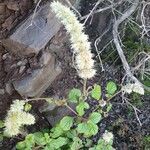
127, 14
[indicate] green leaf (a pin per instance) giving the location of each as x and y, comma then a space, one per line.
95, 117
81, 108
47, 137
39, 138
77, 144
66, 123
93, 148
21, 145
111, 88
74, 95
82, 127
71, 134
57, 143
56, 132
27, 107
88, 129
96, 92
92, 128
88, 143
30, 141
2, 124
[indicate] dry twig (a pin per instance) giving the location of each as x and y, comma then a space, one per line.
117, 22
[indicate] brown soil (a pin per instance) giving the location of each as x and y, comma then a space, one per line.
11, 13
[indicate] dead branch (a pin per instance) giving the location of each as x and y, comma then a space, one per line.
146, 29
127, 14
94, 11
136, 110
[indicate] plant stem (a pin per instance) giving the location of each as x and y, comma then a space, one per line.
71, 109
108, 99
35, 99
84, 89
114, 95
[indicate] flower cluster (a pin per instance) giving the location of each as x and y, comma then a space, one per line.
133, 87
79, 40
16, 118
108, 137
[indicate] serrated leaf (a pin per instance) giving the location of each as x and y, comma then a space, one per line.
82, 128
92, 128
57, 143
111, 88
39, 138
81, 108
30, 137
96, 92
71, 134
88, 143
56, 132
21, 145
47, 137
30, 141
88, 129
74, 95
66, 123
77, 144
95, 117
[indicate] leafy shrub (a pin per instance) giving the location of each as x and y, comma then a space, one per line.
75, 132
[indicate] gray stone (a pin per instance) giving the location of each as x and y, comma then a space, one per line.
2, 8
34, 33
55, 115
9, 88
44, 59
2, 91
22, 68
34, 84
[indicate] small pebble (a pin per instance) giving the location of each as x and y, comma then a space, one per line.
9, 88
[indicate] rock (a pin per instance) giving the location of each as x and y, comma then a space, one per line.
22, 68
34, 84
33, 34
14, 5
8, 22
2, 8
56, 114
44, 59
9, 88
58, 41
2, 91
5, 56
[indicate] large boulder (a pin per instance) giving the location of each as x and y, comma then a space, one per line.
35, 83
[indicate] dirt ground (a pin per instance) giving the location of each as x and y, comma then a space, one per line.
128, 134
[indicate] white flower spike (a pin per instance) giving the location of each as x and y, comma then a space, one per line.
79, 40
133, 87
16, 118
